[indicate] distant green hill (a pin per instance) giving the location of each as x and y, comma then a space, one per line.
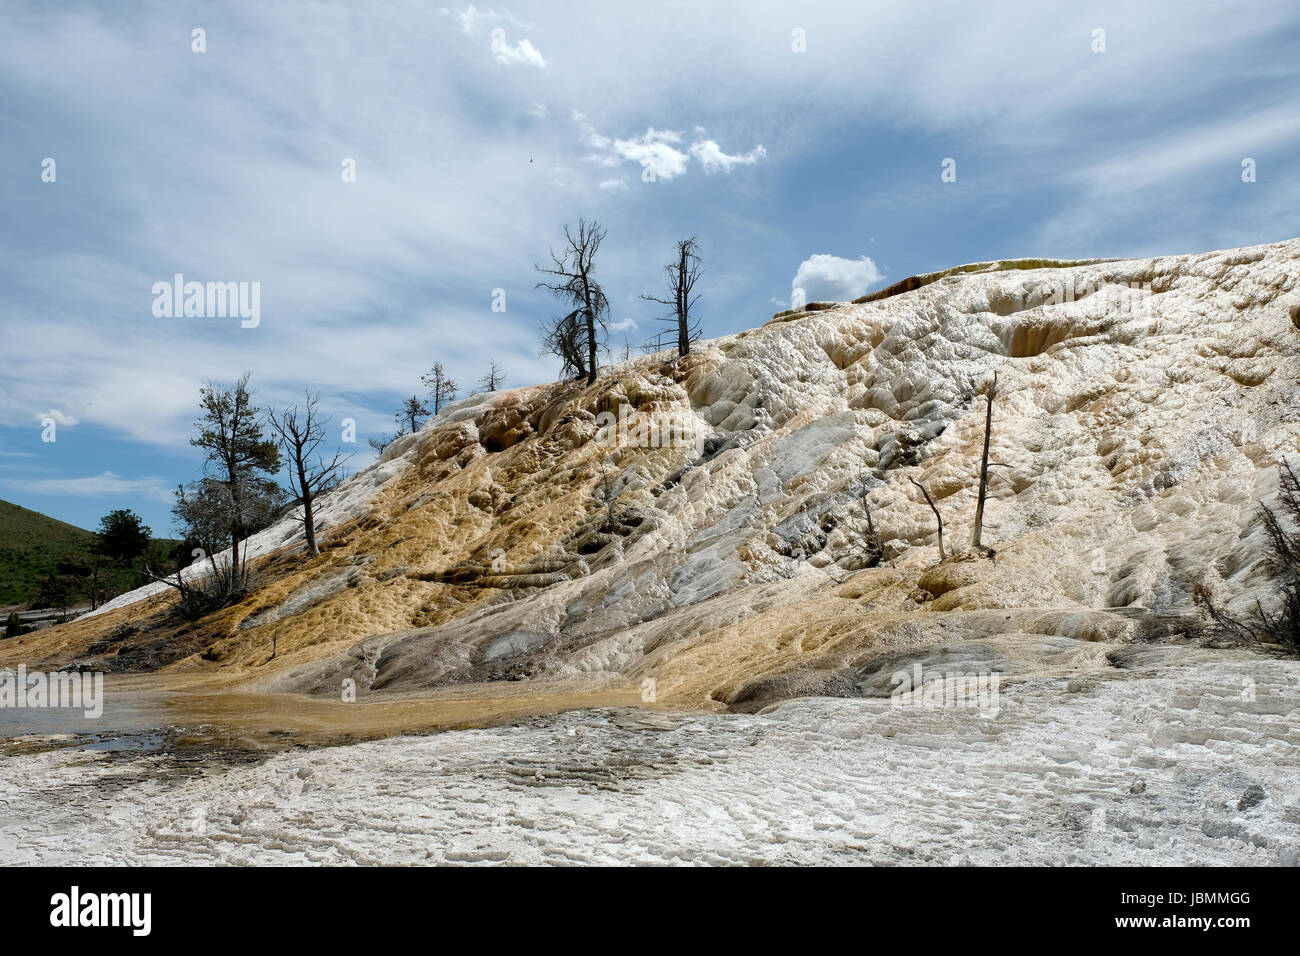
30, 545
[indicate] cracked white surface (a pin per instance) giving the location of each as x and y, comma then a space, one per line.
1166, 763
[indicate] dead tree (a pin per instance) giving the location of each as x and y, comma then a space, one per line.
984, 465
441, 388
937, 517
564, 337
683, 272
301, 432
607, 496
195, 596
380, 443
494, 378
574, 282
408, 417
875, 549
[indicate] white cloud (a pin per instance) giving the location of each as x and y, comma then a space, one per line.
105, 484
59, 417
714, 160
654, 149
471, 18
620, 183
473, 22
657, 150
522, 52
622, 325
833, 279
540, 110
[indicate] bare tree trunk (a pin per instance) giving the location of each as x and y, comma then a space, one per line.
308, 518
590, 316
591, 333
683, 333
234, 550
984, 465
937, 517
301, 432
683, 273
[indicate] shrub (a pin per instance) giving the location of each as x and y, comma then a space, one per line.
1281, 624
13, 626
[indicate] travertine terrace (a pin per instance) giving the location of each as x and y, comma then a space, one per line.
1143, 406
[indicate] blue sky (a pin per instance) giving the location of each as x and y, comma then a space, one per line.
478, 131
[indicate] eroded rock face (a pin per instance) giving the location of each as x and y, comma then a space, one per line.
1142, 408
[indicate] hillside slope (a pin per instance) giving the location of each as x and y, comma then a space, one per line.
30, 545
1143, 406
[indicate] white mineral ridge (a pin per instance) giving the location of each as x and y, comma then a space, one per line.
1135, 434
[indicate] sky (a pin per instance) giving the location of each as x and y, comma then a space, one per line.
384, 171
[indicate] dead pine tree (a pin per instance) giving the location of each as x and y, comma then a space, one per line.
408, 418
441, 388
607, 496
494, 378
564, 337
573, 280
875, 550
380, 443
683, 272
300, 431
937, 517
984, 468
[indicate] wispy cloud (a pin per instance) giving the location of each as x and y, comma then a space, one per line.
471, 19
1165, 157
104, 485
474, 22
57, 416
714, 160
522, 52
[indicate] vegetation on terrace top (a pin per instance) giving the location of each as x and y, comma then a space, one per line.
912, 283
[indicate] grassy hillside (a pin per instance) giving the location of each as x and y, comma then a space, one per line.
30, 544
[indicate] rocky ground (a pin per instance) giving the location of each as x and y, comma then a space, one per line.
1165, 760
